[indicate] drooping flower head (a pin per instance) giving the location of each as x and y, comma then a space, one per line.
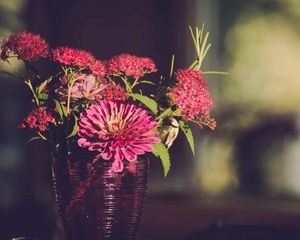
26, 46
85, 86
38, 118
117, 130
131, 66
73, 57
191, 95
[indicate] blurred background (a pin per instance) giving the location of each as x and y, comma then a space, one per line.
244, 172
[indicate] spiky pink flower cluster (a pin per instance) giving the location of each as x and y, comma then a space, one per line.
131, 66
98, 68
85, 86
73, 57
117, 130
190, 94
26, 46
38, 118
113, 92
79, 58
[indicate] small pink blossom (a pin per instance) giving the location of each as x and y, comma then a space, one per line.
117, 130
73, 57
85, 86
98, 68
191, 95
25, 46
111, 92
131, 66
38, 118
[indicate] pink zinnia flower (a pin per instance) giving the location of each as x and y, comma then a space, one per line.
85, 86
38, 118
25, 46
131, 66
191, 95
73, 57
117, 130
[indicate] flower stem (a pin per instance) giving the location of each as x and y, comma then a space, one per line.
127, 84
215, 72
28, 83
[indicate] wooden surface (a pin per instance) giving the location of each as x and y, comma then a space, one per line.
175, 217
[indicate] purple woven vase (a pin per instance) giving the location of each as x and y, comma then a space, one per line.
97, 203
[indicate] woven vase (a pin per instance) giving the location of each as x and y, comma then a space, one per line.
95, 202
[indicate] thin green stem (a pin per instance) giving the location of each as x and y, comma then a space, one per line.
215, 72
42, 136
127, 84
135, 83
193, 64
28, 83
70, 86
193, 36
172, 65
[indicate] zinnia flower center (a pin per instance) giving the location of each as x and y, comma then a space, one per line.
115, 126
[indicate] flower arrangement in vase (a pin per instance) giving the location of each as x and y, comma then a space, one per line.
103, 129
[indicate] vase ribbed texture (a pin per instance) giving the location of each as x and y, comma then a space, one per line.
97, 203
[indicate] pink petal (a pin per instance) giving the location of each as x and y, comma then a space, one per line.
82, 142
137, 151
130, 156
119, 156
145, 147
106, 155
117, 166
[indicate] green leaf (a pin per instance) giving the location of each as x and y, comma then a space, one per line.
148, 102
61, 109
43, 85
162, 152
165, 113
33, 139
188, 134
43, 96
75, 128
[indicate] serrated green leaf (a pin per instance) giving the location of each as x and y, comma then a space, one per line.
148, 102
162, 152
33, 139
75, 128
188, 134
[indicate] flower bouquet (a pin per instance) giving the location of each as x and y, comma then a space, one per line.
103, 128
